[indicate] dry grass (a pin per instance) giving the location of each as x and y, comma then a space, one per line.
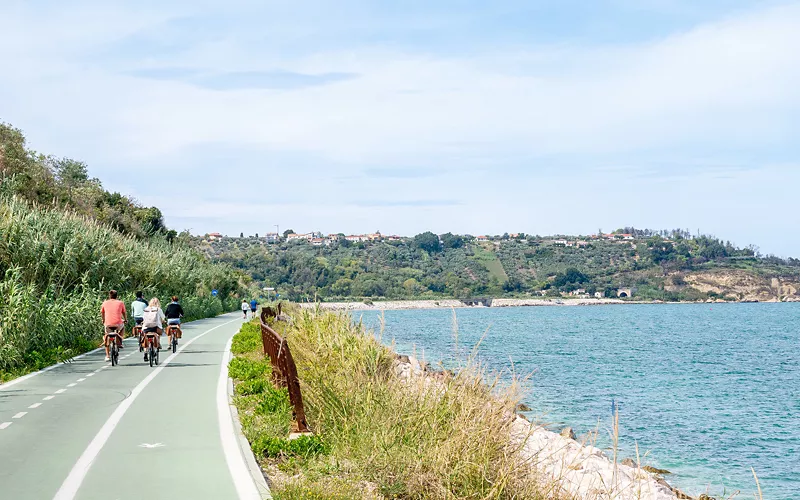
388, 437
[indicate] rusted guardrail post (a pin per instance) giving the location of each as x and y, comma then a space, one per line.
284, 371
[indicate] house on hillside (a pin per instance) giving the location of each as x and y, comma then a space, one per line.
214, 236
376, 236
317, 242
299, 237
394, 237
482, 238
355, 238
560, 243
271, 237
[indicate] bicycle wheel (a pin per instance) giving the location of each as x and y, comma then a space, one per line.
151, 355
174, 344
156, 351
113, 353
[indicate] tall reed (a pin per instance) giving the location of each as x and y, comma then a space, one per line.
56, 267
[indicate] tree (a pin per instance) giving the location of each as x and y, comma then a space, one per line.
241, 235
450, 240
287, 233
427, 241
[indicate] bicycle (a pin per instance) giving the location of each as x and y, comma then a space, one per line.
137, 332
114, 349
152, 347
173, 332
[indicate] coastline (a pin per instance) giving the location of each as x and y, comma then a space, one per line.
395, 305
576, 467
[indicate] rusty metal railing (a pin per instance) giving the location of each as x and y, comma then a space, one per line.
284, 371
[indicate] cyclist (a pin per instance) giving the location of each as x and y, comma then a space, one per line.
245, 307
137, 308
253, 307
153, 320
114, 316
174, 313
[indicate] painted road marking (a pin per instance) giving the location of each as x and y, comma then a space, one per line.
34, 405
72, 384
20, 414
30, 375
69, 488
147, 445
90, 374
61, 391
48, 398
81, 379
5, 425
245, 485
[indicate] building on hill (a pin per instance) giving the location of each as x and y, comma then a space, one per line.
394, 237
482, 238
271, 237
214, 236
317, 242
560, 243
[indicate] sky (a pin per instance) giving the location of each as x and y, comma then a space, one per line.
543, 117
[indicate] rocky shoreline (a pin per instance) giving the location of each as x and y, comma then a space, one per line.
396, 305
578, 469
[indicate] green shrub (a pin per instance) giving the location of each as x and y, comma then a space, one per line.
247, 369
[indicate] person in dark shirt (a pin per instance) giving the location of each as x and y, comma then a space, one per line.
253, 307
174, 313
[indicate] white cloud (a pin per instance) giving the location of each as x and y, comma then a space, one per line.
724, 86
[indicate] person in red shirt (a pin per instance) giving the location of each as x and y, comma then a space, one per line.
114, 315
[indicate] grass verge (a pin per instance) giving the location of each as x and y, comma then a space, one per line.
377, 434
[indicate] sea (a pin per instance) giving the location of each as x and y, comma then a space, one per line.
709, 392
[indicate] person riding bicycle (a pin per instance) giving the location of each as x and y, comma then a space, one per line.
114, 316
137, 308
174, 313
153, 319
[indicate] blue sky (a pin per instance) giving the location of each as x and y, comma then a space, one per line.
464, 116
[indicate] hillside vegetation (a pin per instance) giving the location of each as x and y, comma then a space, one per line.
659, 266
59, 257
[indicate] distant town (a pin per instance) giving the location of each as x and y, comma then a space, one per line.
316, 238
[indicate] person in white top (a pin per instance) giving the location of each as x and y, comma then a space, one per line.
154, 319
245, 307
137, 307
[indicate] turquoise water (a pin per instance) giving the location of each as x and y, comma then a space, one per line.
707, 390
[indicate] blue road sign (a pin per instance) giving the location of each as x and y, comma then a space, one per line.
214, 293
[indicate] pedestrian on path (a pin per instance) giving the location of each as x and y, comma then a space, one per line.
245, 307
253, 307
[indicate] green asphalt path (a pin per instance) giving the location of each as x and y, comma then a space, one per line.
86, 430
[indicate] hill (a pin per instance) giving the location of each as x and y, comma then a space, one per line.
656, 265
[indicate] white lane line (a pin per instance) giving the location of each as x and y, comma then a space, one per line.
20, 414
5, 425
245, 486
48, 398
34, 405
30, 375
99, 370
72, 384
90, 374
81, 379
69, 488
61, 391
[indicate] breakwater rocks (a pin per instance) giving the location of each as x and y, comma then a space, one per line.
577, 469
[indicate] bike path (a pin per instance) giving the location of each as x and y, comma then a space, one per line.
165, 418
